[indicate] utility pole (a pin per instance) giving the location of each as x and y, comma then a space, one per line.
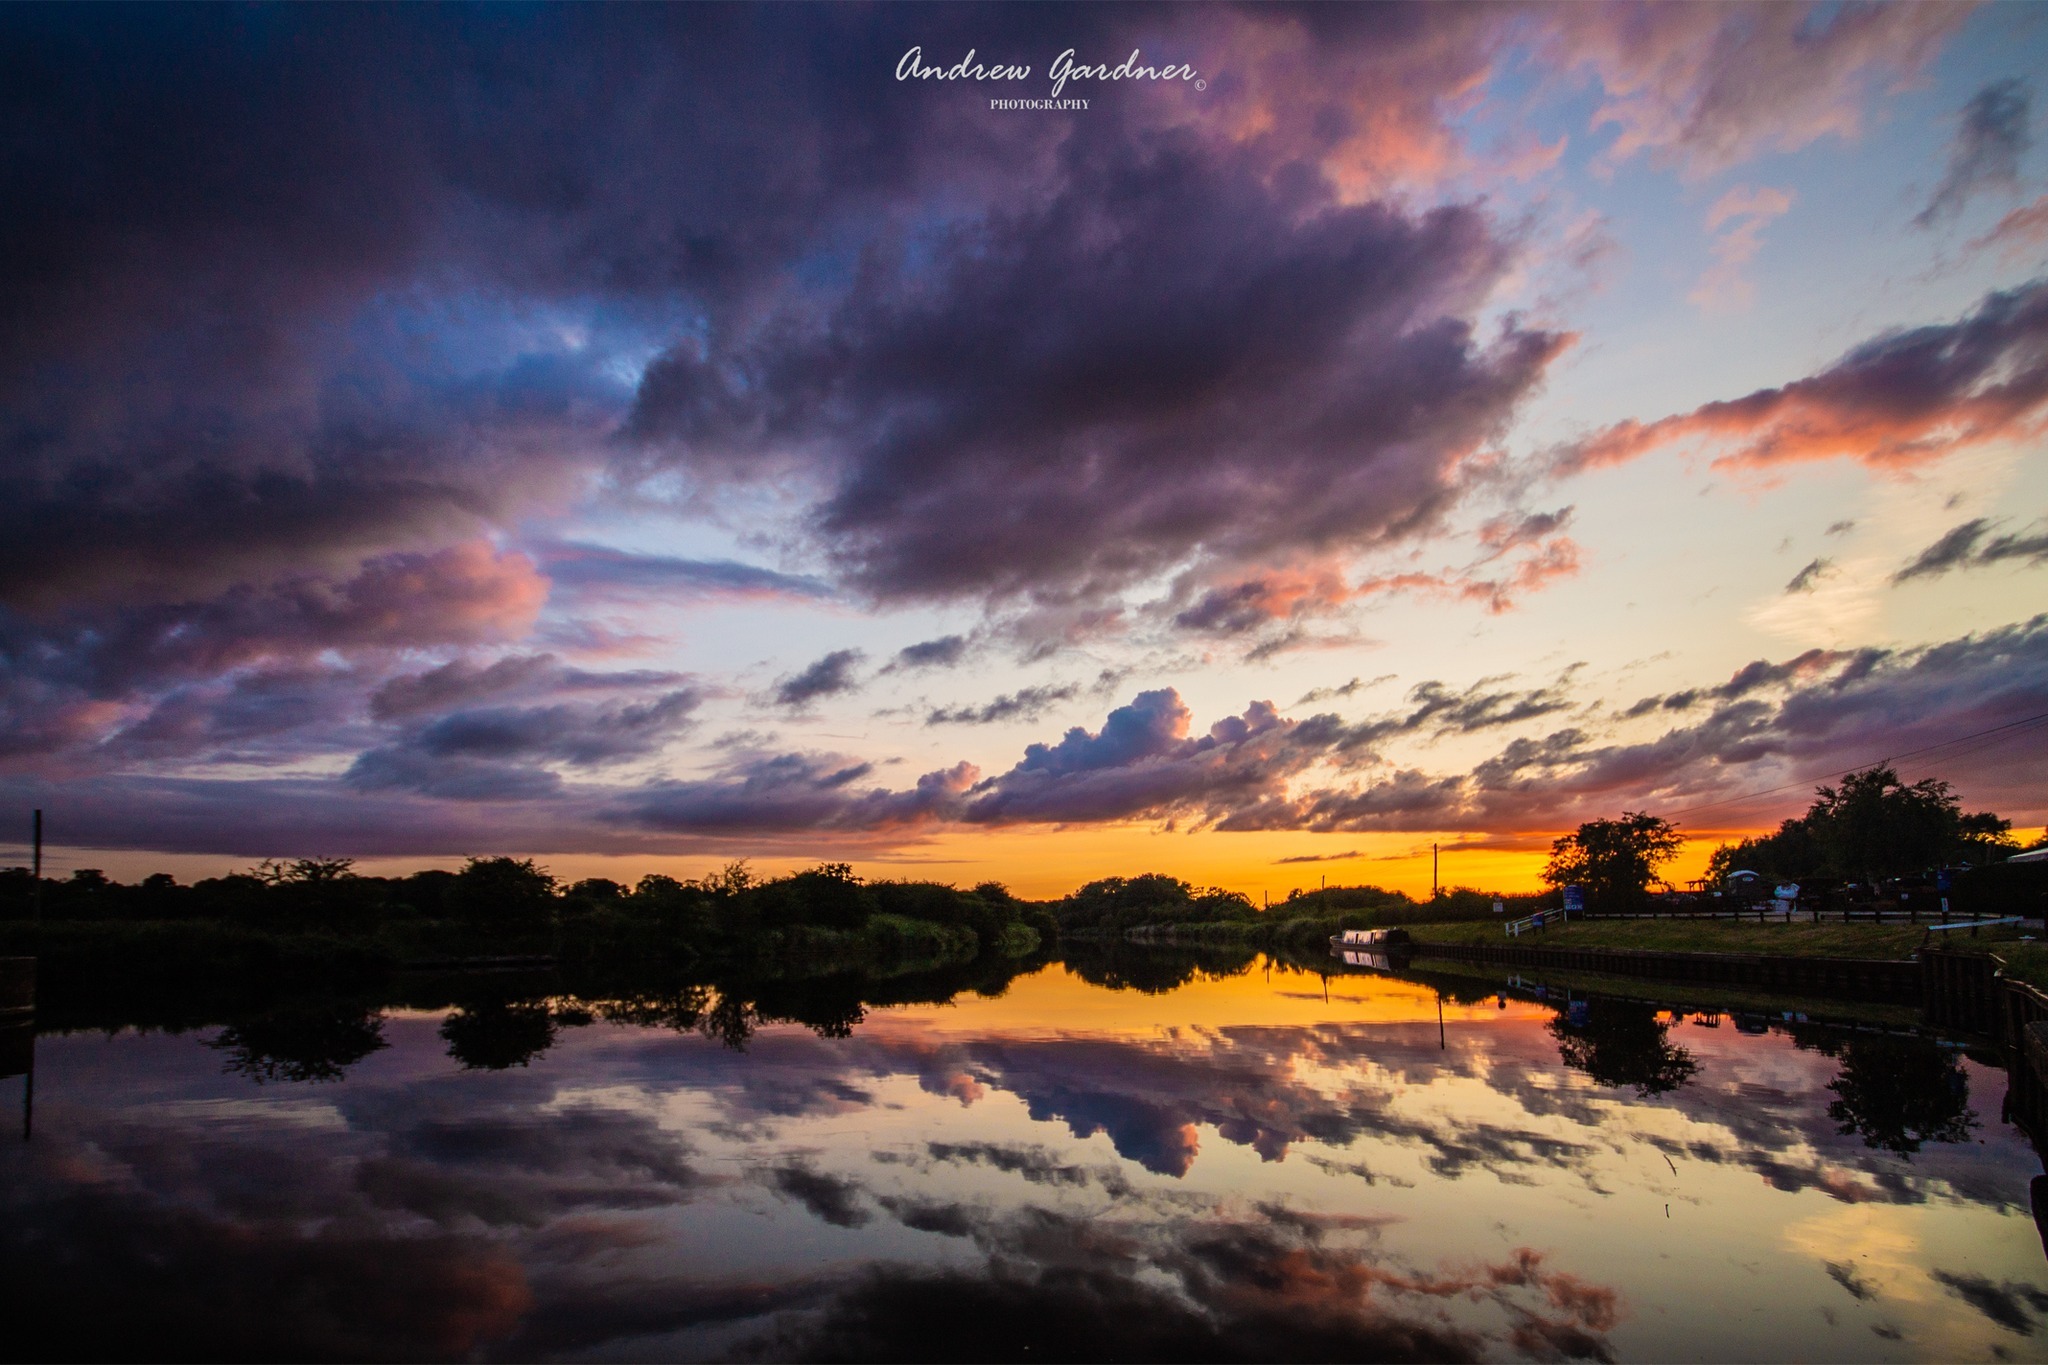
38, 871
1432, 872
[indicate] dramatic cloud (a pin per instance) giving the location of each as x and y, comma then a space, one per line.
68, 680
489, 753
827, 677
1986, 152
1143, 762
220, 370
295, 484
1819, 712
1252, 603
1901, 398
1209, 363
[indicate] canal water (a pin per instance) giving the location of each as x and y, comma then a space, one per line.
1109, 1164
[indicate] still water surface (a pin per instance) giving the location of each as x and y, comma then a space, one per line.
1238, 1167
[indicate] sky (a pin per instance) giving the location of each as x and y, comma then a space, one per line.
644, 437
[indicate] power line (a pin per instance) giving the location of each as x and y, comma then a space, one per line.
1859, 767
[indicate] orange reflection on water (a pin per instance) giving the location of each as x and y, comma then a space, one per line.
1055, 1000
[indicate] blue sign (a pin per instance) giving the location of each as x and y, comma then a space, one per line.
1944, 879
1574, 900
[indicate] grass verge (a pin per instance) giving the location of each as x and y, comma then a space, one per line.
1710, 936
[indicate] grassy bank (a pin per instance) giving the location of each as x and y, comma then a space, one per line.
1716, 936
1686, 997
2024, 961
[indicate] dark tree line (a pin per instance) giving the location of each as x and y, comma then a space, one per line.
1873, 827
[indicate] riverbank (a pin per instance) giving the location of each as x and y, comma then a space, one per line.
1459, 979
187, 973
1715, 936
2024, 960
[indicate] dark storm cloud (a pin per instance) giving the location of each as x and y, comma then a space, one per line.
1026, 703
287, 293
1986, 151
71, 681
217, 362
827, 677
298, 299
1902, 398
1166, 353
466, 595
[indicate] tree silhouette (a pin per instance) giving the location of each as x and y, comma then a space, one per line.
1897, 1093
1870, 827
1623, 1042
316, 1043
1614, 860
496, 1034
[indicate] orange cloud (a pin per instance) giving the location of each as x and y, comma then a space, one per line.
1901, 398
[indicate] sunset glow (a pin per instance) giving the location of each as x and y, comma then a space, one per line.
643, 438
